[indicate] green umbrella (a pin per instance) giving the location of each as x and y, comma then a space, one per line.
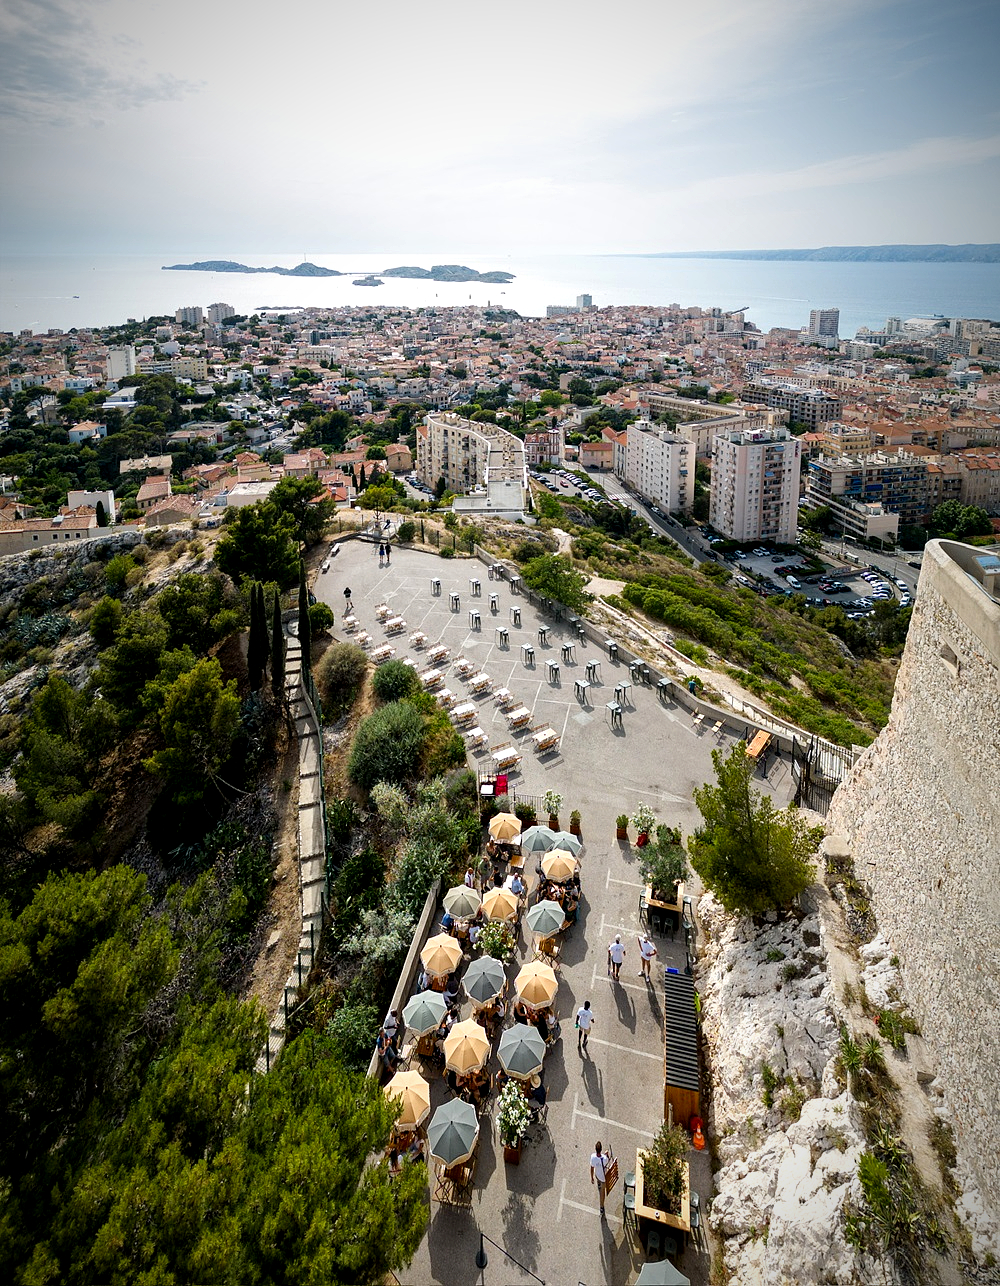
462, 902
546, 918
563, 839
483, 980
521, 1051
537, 839
425, 1012
662, 1273
452, 1132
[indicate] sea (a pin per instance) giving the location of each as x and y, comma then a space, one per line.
65, 291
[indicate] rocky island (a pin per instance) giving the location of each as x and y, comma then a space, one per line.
453, 272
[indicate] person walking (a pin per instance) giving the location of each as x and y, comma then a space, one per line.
646, 953
388, 549
584, 1022
347, 600
616, 954
381, 554
599, 1172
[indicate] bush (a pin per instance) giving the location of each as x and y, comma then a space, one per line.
354, 1030
664, 864
105, 621
446, 552
394, 681
663, 1168
387, 746
321, 618
339, 674
407, 531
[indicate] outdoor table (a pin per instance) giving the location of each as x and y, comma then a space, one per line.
446, 697
612, 649
621, 692
553, 668
463, 667
507, 757
476, 587
503, 696
394, 624
592, 667
759, 744
515, 616
475, 621
580, 687
663, 687
635, 670
499, 571
363, 639
454, 601
431, 678
418, 639
514, 582
350, 624
543, 634
435, 584
494, 603
476, 737
465, 713
527, 654
615, 711
382, 611
479, 683
519, 717
438, 653
383, 653
567, 651
503, 636
545, 738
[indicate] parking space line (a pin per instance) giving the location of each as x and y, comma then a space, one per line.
630, 883
587, 1210
626, 1049
629, 986
606, 1120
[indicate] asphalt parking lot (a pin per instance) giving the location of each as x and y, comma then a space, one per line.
544, 1211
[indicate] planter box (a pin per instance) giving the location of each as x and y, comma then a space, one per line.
682, 1220
512, 1155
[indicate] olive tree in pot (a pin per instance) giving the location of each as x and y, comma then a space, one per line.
665, 1169
574, 822
664, 864
552, 801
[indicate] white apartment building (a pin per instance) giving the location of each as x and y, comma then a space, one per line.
219, 312
755, 485
193, 316
824, 321
120, 363
477, 460
659, 465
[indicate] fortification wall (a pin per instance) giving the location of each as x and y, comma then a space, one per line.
921, 814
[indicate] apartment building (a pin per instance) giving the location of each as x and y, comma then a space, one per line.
478, 460
543, 448
755, 484
897, 482
846, 439
809, 406
120, 363
659, 465
824, 321
980, 473
699, 422
181, 368
189, 316
219, 312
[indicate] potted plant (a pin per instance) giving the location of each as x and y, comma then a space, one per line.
513, 1119
621, 824
525, 814
664, 1169
574, 822
664, 864
643, 820
497, 939
552, 801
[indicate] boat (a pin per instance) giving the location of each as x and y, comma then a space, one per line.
367, 281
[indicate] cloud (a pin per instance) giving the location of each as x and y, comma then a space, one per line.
58, 63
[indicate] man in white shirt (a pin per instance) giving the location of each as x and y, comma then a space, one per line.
584, 1022
646, 952
616, 954
599, 1171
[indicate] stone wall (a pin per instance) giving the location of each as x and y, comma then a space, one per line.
921, 816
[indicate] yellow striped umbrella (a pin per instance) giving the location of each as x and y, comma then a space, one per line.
500, 904
537, 984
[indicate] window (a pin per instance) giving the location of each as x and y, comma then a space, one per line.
951, 660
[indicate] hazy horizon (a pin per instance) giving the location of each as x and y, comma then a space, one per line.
210, 130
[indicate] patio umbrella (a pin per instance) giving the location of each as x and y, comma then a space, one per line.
558, 865
462, 902
570, 843
521, 1051
500, 904
452, 1132
662, 1273
425, 1012
505, 827
483, 980
537, 984
415, 1095
537, 839
441, 955
466, 1047
545, 918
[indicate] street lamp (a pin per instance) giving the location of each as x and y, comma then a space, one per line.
482, 1259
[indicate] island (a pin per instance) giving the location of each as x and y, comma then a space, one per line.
971, 253
368, 281
448, 272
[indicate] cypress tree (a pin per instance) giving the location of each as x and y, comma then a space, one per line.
102, 514
265, 632
361, 485
305, 633
277, 650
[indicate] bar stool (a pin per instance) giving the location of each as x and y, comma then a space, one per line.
435, 584
635, 670
527, 654
543, 634
515, 616
592, 670
503, 637
494, 603
454, 601
476, 586
475, 621
612, 647
567, 652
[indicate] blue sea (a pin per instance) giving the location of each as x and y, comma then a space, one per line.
65, 291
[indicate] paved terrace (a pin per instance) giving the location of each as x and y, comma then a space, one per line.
545, 1210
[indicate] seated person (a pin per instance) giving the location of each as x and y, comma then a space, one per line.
387, 1052
451, 990
497, 880
521, 1012
395, 1165
447, 922
474, 931
541, 1026
538, 1093
572, 909
415, 1152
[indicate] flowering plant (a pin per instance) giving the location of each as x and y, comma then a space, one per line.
643, 819
497, 939
552, 801
513, 1114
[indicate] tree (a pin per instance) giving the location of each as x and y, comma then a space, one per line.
549, 397
393, 681
340, 672
277, 652
199, 610
309, 504
380, 500
554, 576
105, 621
257, 639
261, 543
198, 722
102, 514
305, 626
387, 746
752, 856
952, 518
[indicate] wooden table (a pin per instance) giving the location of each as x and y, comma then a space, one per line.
465, 713
545, 738
759, 744
438, 653
681, 1221
519, 717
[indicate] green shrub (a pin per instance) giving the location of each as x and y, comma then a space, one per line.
105, 620
354, 1030
407, 531
387, 746
321, 618
446, 551
339, 674
394, 681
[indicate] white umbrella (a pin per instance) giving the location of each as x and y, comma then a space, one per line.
537, 839
564, 840
462, 902
546, 918
425, 1012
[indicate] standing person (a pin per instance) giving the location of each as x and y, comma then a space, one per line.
347, 600
584, 1022
646, 952
616, 954
599, 1172
388, 549
381, 554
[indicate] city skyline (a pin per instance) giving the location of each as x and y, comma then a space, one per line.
223, 130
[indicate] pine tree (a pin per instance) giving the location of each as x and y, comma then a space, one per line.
257, 641
277, 651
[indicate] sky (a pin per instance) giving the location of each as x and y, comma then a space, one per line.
219, 129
